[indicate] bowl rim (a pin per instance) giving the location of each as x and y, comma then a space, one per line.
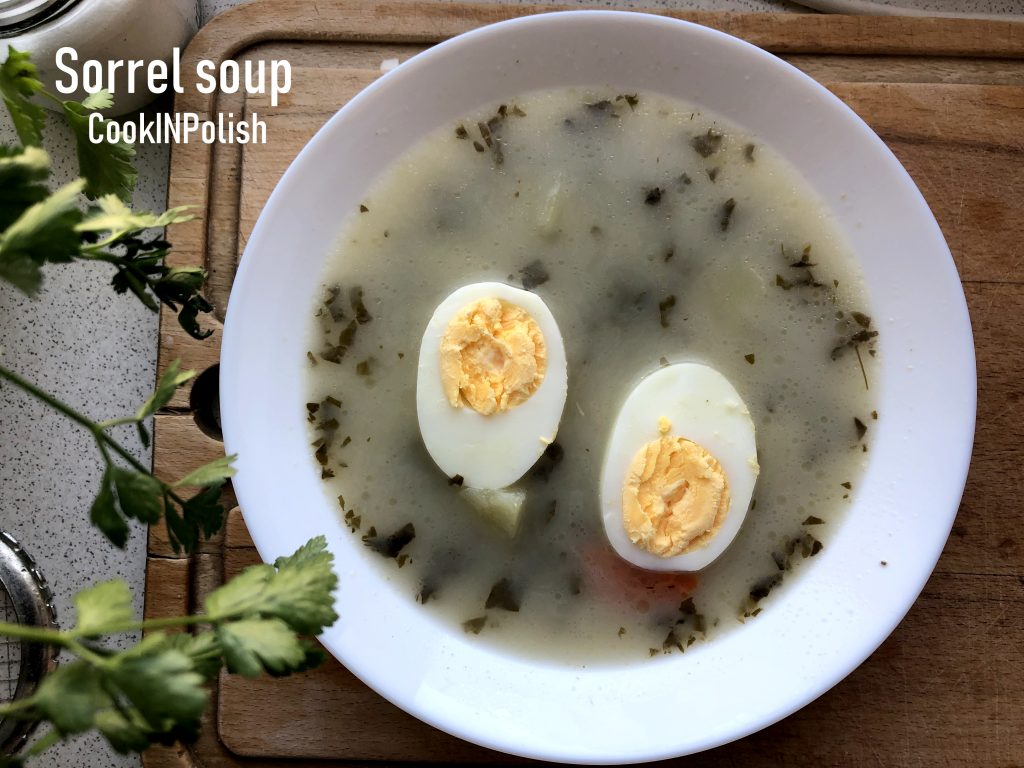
269, 546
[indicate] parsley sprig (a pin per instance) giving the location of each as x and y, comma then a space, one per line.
107, 166
39, 228
128, 490
156, 692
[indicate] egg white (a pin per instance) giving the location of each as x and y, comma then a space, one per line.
489, 451
703, 407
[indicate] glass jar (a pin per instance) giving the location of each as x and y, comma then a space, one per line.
104, 30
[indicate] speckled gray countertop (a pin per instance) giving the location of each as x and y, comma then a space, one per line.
97, 351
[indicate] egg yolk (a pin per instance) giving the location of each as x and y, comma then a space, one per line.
675, 496
493, 357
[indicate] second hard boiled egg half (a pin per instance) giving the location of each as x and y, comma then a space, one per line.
679, 469
491, 383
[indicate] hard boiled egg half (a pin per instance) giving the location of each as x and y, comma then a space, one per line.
491, 383
679, 471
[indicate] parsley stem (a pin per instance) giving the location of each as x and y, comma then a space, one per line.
72, 414
51, 96
172, 621
145, 625
32, 634
117, 422
43, 743
53, 637
95, 429
95, 252
90, 253
104, 452
50, 400
9, 708
69, 638
83, 652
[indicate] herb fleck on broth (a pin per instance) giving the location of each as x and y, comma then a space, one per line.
355, 297
708, 143
548, 461
861, 427
534, 274
665, 307
725, 218
504, 596
335, 353
427, 591
392, 544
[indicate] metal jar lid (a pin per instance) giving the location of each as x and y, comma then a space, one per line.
26, 599
22, 15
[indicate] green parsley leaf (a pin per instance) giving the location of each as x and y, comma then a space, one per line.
21, 170
110, 214
125, 493
45, 232
154, 692
185, 279
180, 535
102, 605
203, 649
70, 696
204, 512
172, 378
252, 646
138, 494
104, 513
127, 278
297, 589
106, 166
187, 317
215, 472
124, 736
179, 284
19, 82
102, 99
241, 595
161, 683
22, 273
199, 517
301, 592
315, 656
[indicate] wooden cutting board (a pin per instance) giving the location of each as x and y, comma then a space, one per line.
947, 688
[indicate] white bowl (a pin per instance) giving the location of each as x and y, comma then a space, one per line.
817, 631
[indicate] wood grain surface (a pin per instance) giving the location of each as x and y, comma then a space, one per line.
947, 687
